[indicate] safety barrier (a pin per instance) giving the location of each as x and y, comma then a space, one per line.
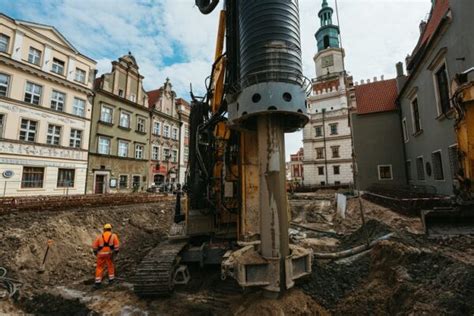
405, 199
11, 188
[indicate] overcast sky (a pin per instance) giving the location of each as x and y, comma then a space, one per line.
171, 38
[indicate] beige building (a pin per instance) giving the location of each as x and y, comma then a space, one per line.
45, 109
119, 148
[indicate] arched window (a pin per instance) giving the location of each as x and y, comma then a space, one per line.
326, 41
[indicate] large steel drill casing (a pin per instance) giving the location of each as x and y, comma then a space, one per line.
271, 77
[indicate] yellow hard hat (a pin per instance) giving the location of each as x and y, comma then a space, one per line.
107, 226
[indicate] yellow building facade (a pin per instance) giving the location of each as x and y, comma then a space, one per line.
45, 110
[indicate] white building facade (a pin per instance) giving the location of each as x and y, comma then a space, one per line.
327, 136
45, 109
184, 111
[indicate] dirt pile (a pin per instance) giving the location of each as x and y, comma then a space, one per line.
372, 229
294, 302
321, 214
330, 282
408, 274
47, 304
24, 236
377, 212
407, 280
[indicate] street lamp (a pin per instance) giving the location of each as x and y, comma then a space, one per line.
167, 159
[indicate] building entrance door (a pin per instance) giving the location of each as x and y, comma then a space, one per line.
99, 184
158, 179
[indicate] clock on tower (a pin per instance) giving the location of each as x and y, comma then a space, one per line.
327, 61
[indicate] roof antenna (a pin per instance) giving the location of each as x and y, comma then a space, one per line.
191, 92
340, 37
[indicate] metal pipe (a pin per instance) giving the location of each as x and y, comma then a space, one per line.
352, 251
273, 207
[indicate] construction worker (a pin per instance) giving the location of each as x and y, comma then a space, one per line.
104, 247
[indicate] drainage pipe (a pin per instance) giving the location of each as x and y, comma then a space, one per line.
352, 251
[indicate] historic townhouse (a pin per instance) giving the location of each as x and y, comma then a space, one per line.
165, 135
327, 136
45, 110
445, 48
119, 148
296, 167
377, 135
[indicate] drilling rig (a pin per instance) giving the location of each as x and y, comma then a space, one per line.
236, 213
458, 218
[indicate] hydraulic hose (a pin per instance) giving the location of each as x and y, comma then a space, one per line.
206, 6
10, 285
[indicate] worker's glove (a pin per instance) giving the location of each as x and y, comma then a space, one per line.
95, 252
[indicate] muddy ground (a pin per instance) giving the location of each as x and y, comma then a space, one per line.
407, 274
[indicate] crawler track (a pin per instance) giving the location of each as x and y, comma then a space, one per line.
154, 275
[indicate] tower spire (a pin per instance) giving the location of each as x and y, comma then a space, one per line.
328, 34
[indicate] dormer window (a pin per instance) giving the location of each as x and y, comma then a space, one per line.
80, 75
58, 66
34, 56
4, 41
120, 93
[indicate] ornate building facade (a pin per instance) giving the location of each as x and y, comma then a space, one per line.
45, 110
327, 136
296, 167
119, 146
165, 135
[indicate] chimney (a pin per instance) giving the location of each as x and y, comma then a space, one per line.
375, 79
356, 83
362, 81
400, 69
407, 61
368, 80
381, 77
422, 26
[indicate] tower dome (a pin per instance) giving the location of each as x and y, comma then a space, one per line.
327, 35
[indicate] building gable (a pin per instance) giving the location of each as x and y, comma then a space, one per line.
49, 32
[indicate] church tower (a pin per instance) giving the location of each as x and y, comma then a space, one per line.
327, 138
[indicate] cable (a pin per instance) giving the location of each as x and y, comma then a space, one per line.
10, 285
206, 6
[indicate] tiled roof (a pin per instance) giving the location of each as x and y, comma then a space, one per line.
438, 12
376, 97
153, 96
180, 101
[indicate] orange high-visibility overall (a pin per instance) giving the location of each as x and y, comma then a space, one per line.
104, 246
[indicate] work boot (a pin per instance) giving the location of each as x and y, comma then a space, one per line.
112, 281
97, 285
